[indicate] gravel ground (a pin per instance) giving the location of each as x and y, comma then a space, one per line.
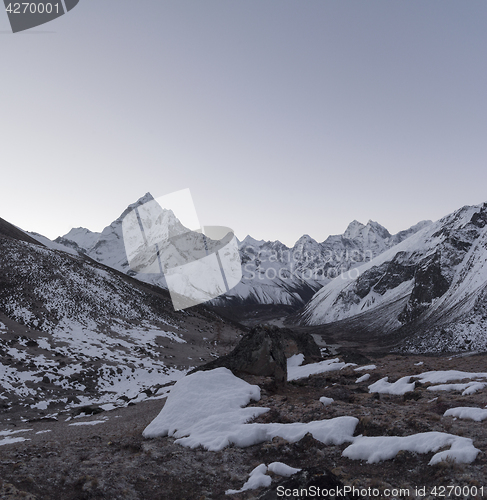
112, 460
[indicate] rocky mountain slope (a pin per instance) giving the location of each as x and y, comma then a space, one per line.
76, 332
429, 290
276, 274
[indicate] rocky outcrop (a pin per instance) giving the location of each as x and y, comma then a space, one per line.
260, 352
429, 284
300, 343
264, 352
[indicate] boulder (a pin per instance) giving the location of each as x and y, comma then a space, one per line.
299, 343
260, 352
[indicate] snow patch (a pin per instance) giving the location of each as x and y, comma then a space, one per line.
363, 378
282, 469
377, 448
257, 479
295, 360
205, 408
92, 422
297, 372
468, 388
397, 388
366, 367
326, 401
477, 414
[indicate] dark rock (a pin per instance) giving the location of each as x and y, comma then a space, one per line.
339, 393
260, 352
313, 479
89, 410
354, 357
429, 284
479, 219
386, 276
296, 343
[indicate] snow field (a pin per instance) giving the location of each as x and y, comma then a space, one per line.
205, 409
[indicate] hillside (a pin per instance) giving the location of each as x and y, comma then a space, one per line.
429, 291
74, 332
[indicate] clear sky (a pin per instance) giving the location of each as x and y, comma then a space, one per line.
282, 117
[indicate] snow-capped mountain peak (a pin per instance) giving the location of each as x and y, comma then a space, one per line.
84, 238
432, 284
248, 240
108, 246
353, 229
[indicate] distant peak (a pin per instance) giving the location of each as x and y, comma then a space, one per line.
76, 231
358, 230
355, 224
378, 228
306, 238
248, 240
353, 229
373, 223
144, 199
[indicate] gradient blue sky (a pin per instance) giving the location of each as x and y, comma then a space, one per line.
282, 117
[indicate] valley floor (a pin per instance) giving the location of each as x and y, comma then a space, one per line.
109, 458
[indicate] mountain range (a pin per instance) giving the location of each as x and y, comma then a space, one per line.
424, 286
80, 335
272, 272
422, 289
428, 290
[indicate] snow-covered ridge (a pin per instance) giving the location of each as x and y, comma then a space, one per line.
439, 274
71, 326
272, 272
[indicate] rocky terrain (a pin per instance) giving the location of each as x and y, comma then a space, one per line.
74, 332
111, 459
90, 355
